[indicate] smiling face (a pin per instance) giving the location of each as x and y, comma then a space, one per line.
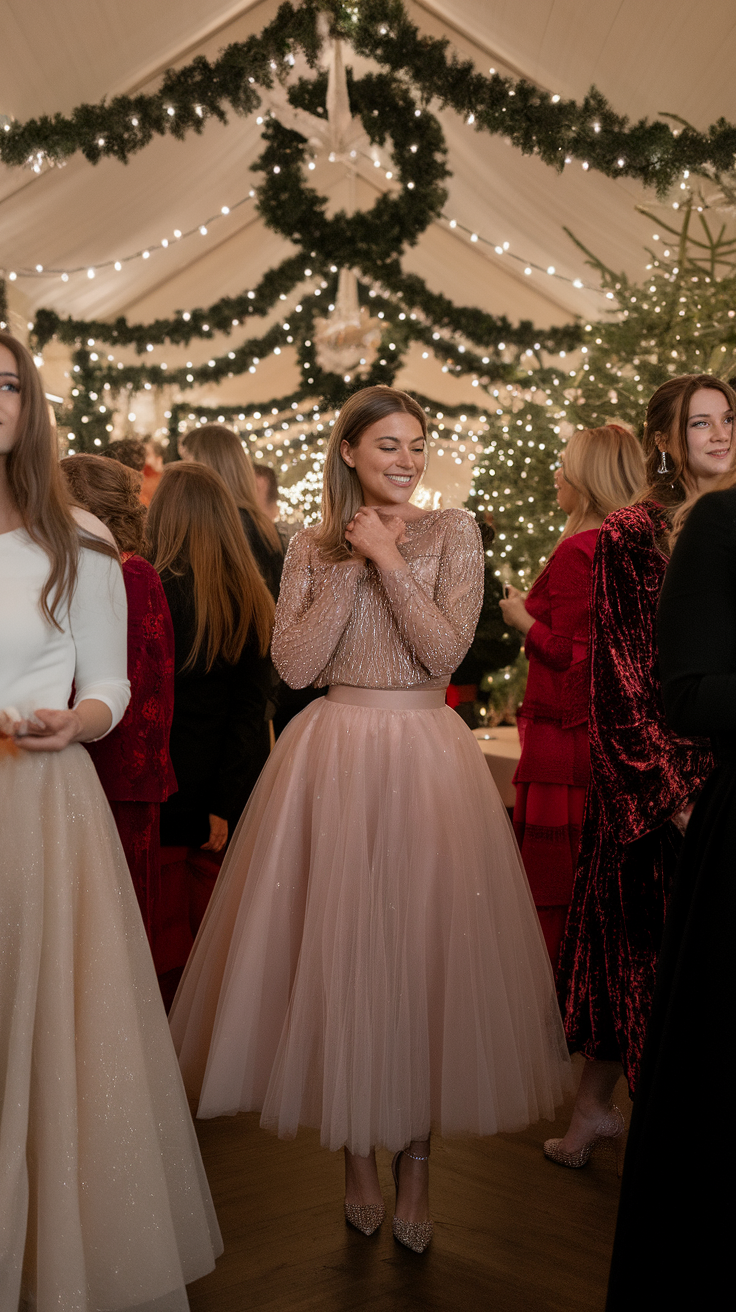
388, 459
9, 400
710, 447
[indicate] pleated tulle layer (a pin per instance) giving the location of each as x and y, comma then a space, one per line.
371, 962
104, 1205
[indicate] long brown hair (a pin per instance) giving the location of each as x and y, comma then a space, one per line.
665, 427
606, 468
193, 524
110, 490
38, 490
221, 449
342, 495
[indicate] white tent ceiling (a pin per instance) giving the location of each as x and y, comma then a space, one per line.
646, 56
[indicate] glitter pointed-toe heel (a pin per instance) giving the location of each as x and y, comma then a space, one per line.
609, 1134
366, 1217
415, 1235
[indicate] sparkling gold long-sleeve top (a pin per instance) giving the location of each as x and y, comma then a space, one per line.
354, 624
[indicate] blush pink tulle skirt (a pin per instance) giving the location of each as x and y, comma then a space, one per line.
104, 1204
371, 962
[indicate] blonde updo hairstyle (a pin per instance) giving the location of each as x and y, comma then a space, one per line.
342, 495
605, 466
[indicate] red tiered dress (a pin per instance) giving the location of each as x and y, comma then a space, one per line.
553, 773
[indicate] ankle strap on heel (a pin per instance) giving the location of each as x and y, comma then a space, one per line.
414, 1157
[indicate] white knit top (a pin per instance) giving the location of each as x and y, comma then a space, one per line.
39, 662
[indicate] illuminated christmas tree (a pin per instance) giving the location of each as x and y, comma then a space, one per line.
681, 319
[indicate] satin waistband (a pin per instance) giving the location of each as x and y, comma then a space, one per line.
388, 699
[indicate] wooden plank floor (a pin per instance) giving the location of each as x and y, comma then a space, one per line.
513, 1232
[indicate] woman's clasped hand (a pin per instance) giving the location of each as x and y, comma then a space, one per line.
48, 730
376, 537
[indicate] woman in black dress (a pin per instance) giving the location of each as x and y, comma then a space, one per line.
222, 615
672, 1245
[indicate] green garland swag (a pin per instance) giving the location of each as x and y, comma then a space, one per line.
485, 330
372, 241
182, 410
534, 122
93, 378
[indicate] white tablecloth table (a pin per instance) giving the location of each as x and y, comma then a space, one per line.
502, 749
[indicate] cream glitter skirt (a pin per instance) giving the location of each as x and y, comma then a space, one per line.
104, 1205
371, 962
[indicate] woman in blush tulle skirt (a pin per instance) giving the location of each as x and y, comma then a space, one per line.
371, 963
104, 1205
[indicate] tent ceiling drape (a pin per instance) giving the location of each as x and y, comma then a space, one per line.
646, 56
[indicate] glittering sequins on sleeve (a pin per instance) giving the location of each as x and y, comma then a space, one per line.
314, 606
439, 630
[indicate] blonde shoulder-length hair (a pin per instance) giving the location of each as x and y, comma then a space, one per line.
342, 495
221, 449
606, 468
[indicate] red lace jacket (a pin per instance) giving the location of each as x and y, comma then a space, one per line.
133, 761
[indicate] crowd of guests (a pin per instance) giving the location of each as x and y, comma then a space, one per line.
625, 813
605, 784
202, 566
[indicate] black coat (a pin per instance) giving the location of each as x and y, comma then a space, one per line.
270, 560
672, 1246
219, 735
494, 644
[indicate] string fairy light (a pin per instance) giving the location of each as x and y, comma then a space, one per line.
39, 270
499, 248
154, 375
504, 248
455, 225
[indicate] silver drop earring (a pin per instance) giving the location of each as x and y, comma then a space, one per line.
663, 463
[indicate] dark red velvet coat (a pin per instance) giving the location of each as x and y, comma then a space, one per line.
642, 775
133, 761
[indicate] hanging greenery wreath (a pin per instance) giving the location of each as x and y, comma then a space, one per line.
533, 120
372, 241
